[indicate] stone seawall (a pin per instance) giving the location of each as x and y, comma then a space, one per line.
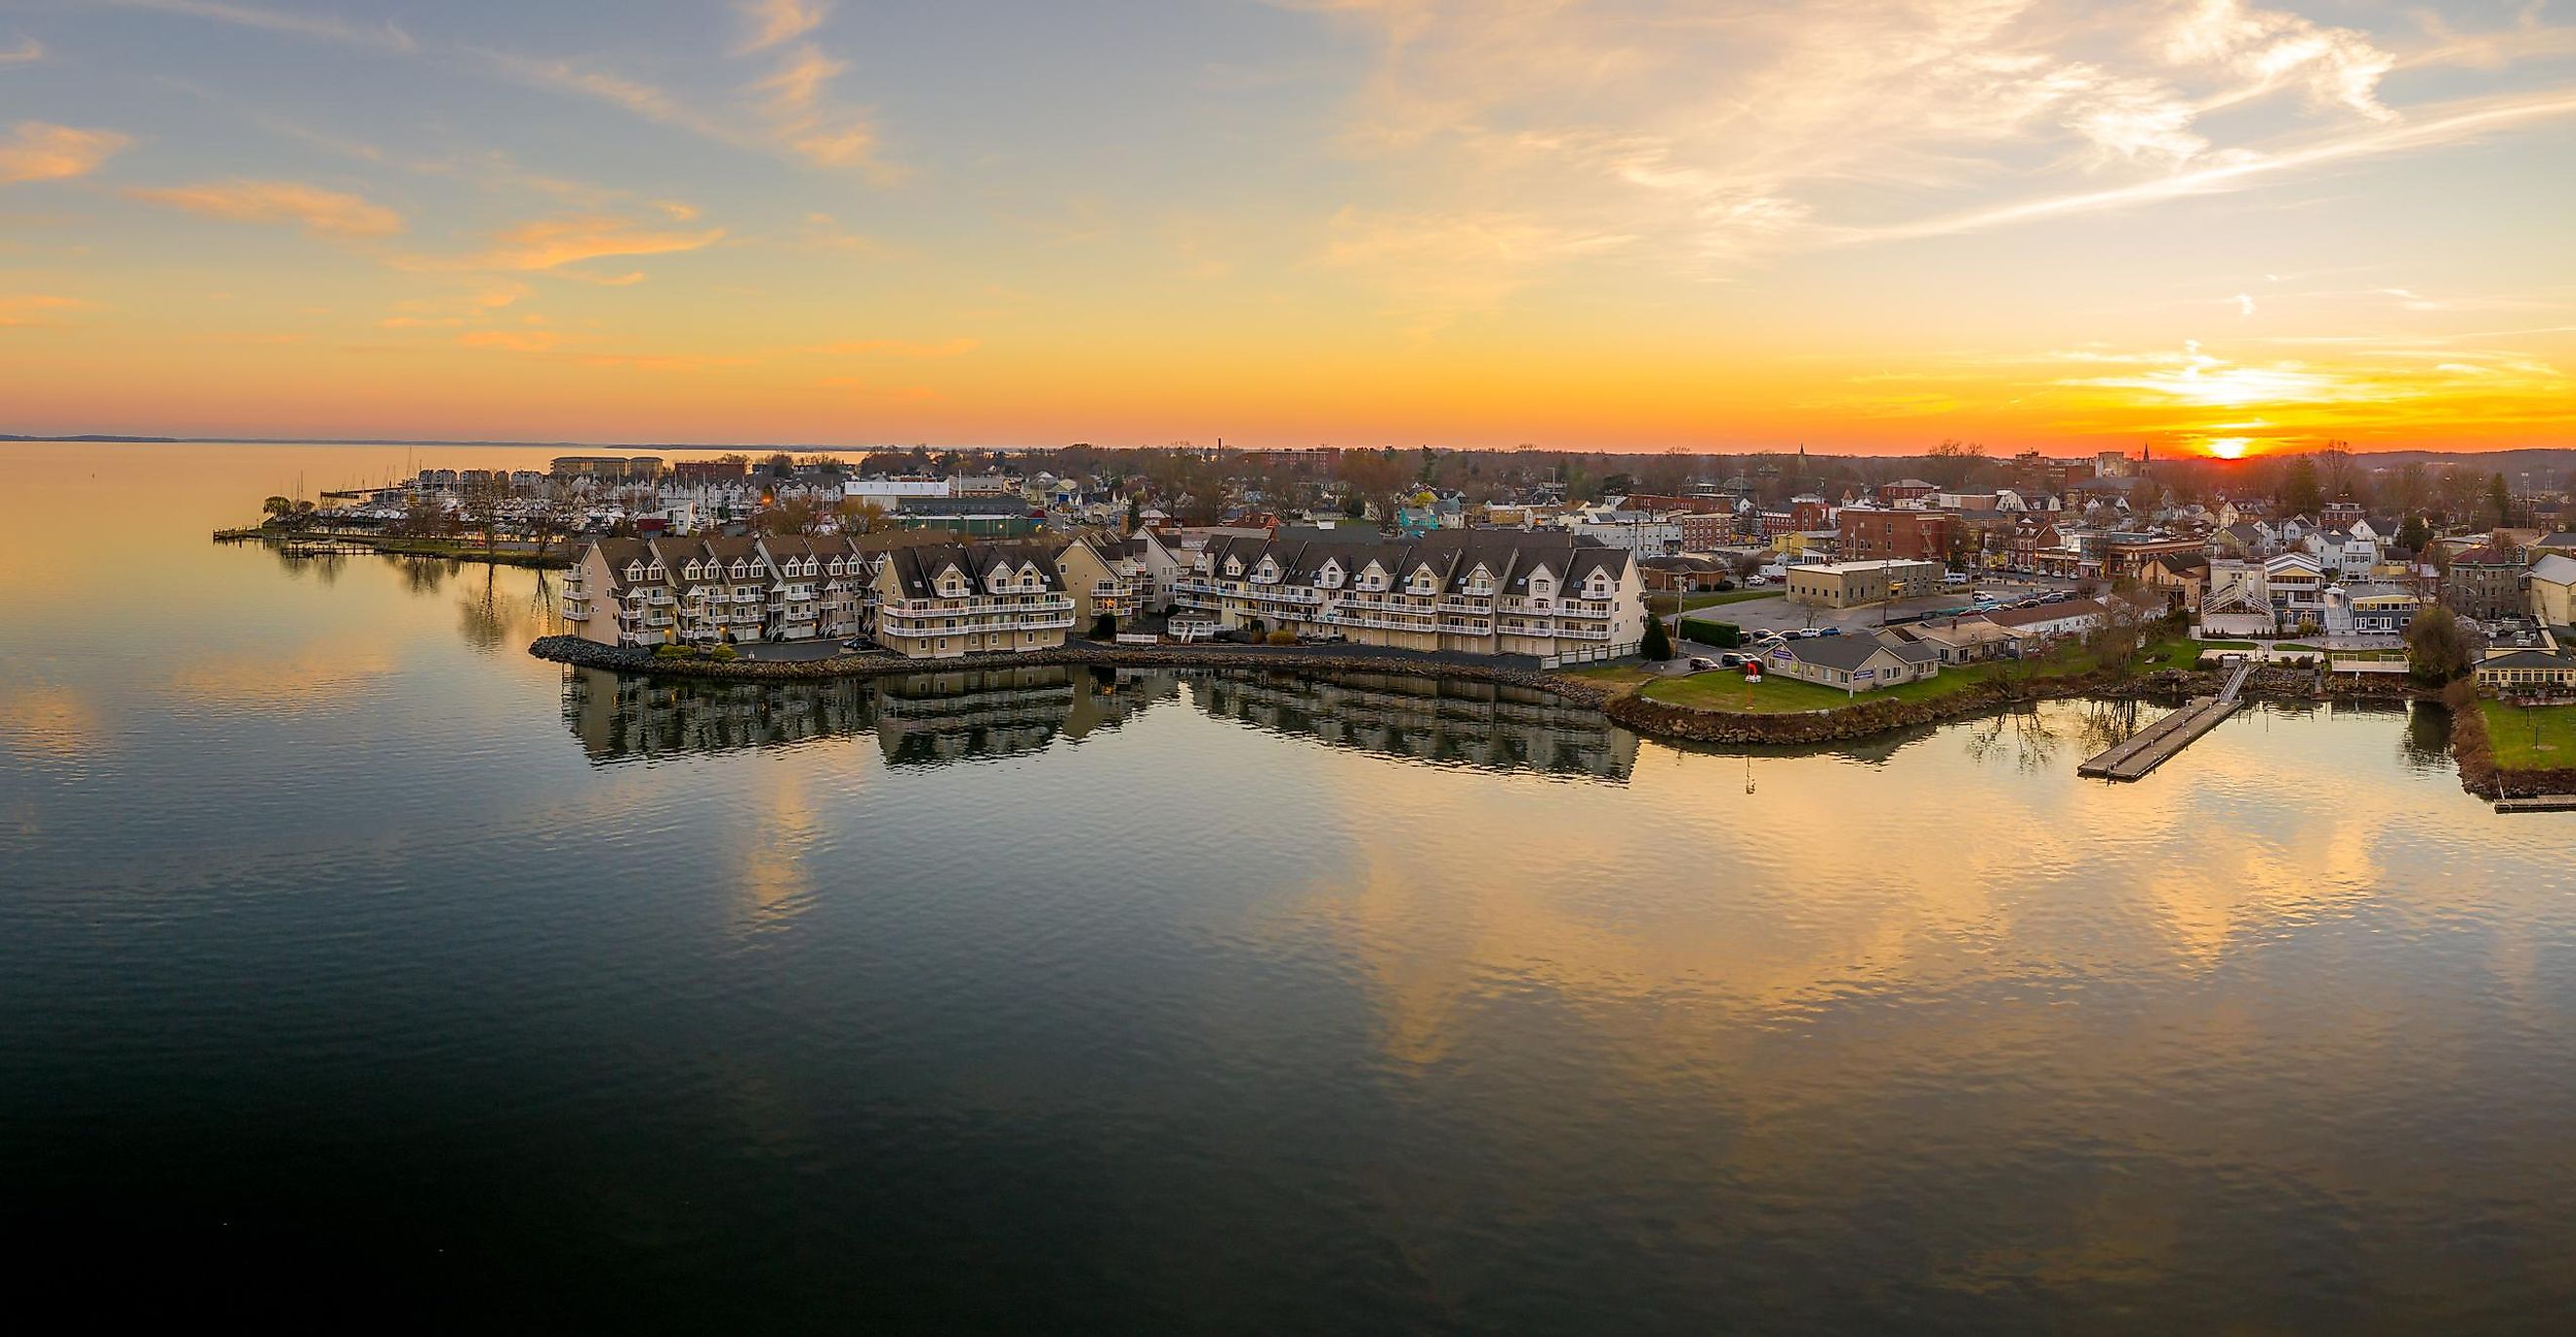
2474, 752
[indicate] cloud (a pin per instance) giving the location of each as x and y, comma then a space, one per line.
639, 98
2454, 124
27, 52
37, 151
1711, 137
387, 37
770, 23
902, 348
795, 101
516, 341
30, 308
2271, 48
324, 213
549, 243
2244, 303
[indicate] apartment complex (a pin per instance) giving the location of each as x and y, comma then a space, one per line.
1117, 577
946, 600
706, 591
1471, 591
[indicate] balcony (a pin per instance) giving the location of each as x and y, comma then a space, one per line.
576, 611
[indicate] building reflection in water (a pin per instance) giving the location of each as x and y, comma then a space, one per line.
1447, 723
918, 719
932, 718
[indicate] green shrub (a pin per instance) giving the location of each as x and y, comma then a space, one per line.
671, 651
725, 652
1283, 636
1723, 635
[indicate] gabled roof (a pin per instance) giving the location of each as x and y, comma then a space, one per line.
1845, 652
1510, 557
917, 569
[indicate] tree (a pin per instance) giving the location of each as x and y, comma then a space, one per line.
2437, 648
795, 515
858, 515
1104, 627
276, 506
1658, 645
2414, 534
482, 503
2499, 502
2300, 493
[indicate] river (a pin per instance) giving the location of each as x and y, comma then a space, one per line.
340, 937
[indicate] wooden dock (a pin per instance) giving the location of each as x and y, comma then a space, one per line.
2156, 744
2538, 803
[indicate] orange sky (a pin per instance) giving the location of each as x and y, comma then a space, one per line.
1626, 224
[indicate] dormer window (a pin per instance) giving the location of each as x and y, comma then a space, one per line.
1233, 566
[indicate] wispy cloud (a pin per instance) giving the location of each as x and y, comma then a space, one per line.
769, 23
1711, 137
550, 243
514, 341
33, 308
323, 26
27, 52
37, 151
322, 212
795, 100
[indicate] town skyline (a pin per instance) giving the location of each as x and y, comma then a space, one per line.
2216, 227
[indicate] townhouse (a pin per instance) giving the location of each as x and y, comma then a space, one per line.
1540, 593
714, 590
1119, 577
946, 600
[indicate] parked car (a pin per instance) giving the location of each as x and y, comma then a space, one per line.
1701, 665
1757, 580
1805, 634
1829, 631
854, 645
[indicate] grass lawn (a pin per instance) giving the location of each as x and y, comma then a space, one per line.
2178, 654
2297, 649
2229, 645
1777, 695
2510, 731
1619, 677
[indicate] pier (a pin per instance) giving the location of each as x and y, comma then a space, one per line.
2152, 746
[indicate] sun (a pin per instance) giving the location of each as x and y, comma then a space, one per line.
2228, 447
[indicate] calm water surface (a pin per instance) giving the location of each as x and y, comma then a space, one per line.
340, 939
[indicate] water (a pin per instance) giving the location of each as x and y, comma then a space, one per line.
342, 942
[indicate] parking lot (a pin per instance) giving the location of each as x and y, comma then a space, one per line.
1778, 614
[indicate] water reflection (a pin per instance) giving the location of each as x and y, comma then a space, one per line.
931, 718
1446, 723
920, 719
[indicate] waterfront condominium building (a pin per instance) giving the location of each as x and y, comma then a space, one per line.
700, 590
1481, 591
945, 600
1120, 577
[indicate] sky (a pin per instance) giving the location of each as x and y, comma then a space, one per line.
2218, 226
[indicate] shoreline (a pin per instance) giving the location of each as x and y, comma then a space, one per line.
441, 550
1629, 710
